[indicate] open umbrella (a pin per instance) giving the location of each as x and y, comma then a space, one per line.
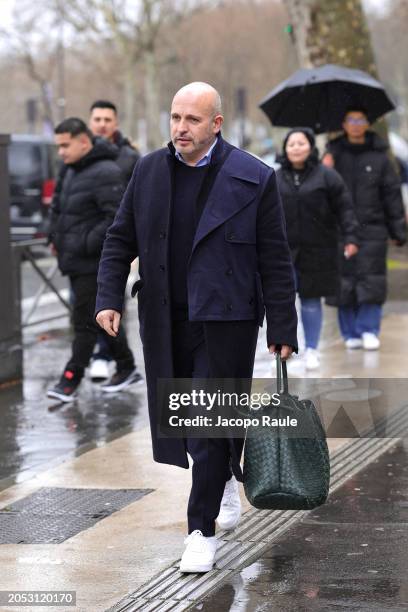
319, 98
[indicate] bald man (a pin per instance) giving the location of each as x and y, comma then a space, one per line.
205, 220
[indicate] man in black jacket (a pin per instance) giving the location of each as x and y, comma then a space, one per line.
360, 157
103, 122
85, 205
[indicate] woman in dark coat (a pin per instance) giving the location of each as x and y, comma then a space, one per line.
360, 157
315, 201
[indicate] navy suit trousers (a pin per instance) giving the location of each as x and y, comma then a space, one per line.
215, 349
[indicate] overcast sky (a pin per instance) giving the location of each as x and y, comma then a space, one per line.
5, 11
6, 7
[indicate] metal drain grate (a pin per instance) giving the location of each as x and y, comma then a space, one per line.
52, 515
173, 591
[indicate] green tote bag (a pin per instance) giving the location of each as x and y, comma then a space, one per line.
281, 471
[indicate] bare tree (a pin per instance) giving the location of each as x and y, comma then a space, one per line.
391, 47
331, 31
243, 46
300, 16
29, 39
232, 44
135, 28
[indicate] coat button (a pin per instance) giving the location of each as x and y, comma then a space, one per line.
231, 236
229, 272
162, 234
229, 306
251, 300
164, 301
162, 268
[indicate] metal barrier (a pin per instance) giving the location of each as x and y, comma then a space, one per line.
23, 250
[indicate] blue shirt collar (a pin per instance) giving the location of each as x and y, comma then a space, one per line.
205, 160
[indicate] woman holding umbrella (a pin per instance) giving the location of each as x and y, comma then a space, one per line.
315, 201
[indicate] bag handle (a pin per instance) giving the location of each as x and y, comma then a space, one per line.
281, 375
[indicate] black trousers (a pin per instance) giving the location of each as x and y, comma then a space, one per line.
213, 349
84, 288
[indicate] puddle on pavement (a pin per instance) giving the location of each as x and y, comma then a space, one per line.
36, 431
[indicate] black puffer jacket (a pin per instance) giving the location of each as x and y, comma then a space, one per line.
84, 205
313, 212
127, 156
376, 194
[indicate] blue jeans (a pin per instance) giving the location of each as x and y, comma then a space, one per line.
355, 320
312, 316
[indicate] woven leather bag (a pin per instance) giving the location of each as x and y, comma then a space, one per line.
283, 472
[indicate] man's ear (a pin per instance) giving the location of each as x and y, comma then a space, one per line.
84, 139
218, 121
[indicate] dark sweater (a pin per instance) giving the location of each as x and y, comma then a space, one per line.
188, 181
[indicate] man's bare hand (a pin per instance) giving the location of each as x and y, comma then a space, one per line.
350, 250
109, 320
285, 351
53, 249
328, 160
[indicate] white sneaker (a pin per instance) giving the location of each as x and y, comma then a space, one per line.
99, 370
312, 359
199, 555
353, 343
230, 509
371, 342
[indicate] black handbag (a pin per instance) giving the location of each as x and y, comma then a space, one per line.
281, 471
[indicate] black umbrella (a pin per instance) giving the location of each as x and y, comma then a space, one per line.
319, 98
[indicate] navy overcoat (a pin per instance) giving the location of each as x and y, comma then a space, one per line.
239, 268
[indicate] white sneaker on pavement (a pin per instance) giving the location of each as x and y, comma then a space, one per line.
99, 370
312, 359
199, 555
230, 509
371, 342
353, 343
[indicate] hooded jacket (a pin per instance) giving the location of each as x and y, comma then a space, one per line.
127, 156
84, 206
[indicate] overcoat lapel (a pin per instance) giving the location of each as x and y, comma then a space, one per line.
235, 187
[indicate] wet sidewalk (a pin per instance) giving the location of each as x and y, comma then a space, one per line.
350, 554
36, 431
84, 508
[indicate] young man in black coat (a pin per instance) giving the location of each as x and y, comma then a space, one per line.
85, 204
206, 221
103, 123
360, 157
